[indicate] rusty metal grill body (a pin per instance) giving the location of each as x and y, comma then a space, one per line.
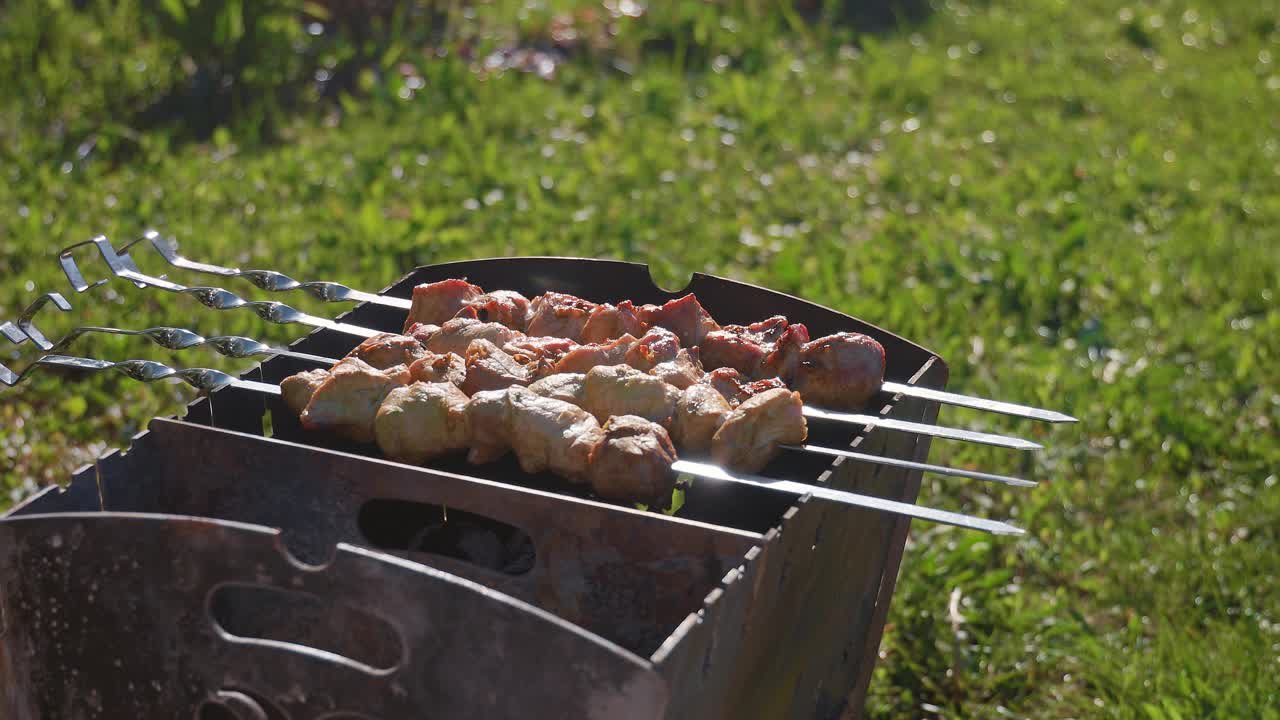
744, 605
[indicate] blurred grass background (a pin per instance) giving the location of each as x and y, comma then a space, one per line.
1075, 203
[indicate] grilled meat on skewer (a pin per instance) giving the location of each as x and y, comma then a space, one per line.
559, 315
545, 351
296, 390
568, 387
606, 322
422, 421
434, 303
633, 461
347, 401
388, 350
682, 371
456, 335
840, 371
501, 306
430, 368
735, 387
699, 413
683, 316
751, 433
489, 368
623, 390
584, 357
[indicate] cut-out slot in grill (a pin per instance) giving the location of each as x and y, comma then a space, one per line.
423, 527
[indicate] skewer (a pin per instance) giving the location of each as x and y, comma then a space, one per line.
219, 299
210, 380
336, 292
268, 280
211, 297
242, 347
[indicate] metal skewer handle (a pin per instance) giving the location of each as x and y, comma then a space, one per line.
212, 297
268, 280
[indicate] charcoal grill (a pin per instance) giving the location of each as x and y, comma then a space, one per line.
746, 604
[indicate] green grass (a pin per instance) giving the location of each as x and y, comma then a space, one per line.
1075, 203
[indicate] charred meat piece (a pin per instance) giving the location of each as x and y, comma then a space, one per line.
456, 335
434, 303
753, 432
347, 401
507, 307
550, 434
657, 345
783, 360
489, 368
683, 371
422, 332
584, 357
683, 316
623, 390
607, 322
735, 387
632, 462
388, 350
422, 421
298, 389
699, 414
433, 368
569, 387
841, 371
559, 315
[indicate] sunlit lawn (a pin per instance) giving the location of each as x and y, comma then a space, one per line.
1075, 203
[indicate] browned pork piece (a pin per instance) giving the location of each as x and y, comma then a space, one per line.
568, 387
434, 303
606, 322
422, 421
699, 413
347, 401
542, 352
432, 368
489, 368
584, 357
457, 334
752, 432
544, 433
559, 315
632, 462
657, 345
736, 387
501, 306
683, 316
623, 390
683, 371
841, 371
298, 389
769, 348
422, 332
388, 350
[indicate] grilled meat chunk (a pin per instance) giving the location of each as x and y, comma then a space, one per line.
489, 368
388, 350
584, 357
507, 307
769, 348
753, 432
683, 316
433, 368
841, 371
683, 371
657, 345
783, 360
457, 334
699, 414
559, 315
568, 387
422, 421
606, 322
347, 401
298, 389
632, 462
623, 390
434, 303
540, 352
735, 387
550, 434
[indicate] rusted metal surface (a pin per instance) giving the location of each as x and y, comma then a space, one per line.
109, 617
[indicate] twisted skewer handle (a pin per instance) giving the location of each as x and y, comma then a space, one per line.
147, 371
268, 280
216, 298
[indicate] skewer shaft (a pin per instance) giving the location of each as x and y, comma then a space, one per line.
946, 517
972, 436
912, 465
976, 403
